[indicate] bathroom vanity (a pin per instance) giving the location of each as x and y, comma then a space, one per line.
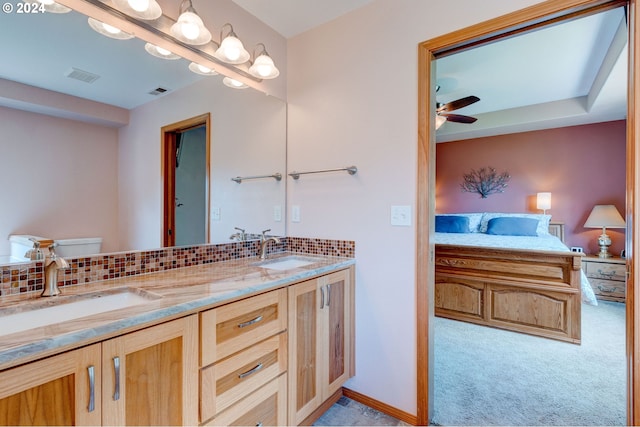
234, 342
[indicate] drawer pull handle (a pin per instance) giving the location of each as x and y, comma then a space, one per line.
259, 424
116, 370
604, 289
92, 389
249, 322
251, 371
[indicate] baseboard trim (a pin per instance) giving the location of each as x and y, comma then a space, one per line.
380, 406
324, 407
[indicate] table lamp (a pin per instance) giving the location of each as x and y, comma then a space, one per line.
543, 201
604, 216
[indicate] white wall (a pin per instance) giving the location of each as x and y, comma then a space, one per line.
352, 93
59, 178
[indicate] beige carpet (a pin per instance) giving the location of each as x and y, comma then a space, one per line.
486, 376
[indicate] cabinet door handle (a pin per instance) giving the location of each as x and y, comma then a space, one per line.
321, 297
116, 370
328, 294
249, 322
251, 371
92, 388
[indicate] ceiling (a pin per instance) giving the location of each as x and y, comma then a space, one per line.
568, 74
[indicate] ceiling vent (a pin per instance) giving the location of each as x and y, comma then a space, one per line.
83, 76
158, 91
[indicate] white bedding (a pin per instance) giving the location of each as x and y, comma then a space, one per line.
546, 242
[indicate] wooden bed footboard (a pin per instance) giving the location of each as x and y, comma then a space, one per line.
533, 292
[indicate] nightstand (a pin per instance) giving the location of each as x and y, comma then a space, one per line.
607, 277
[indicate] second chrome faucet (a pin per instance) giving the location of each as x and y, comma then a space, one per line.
264, 241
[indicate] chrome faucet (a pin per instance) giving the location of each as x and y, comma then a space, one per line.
264, 241
240, 236
35, 254
52, 263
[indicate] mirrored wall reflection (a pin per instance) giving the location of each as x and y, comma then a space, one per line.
107, 180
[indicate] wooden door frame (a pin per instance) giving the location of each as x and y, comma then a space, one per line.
549, 11
168, 167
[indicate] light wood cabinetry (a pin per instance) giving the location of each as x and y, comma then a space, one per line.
320, 348
149, 376
243, 347
606, 276
142, 378
58, 390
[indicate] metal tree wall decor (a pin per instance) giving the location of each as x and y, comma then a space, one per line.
484, 181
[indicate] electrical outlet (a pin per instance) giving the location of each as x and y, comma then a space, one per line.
295, 213
401, 215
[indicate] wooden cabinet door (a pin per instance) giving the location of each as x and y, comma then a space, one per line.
60, 390
320, 340
150, 377
304, 350
336, 327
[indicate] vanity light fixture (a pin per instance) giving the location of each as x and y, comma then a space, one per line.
263, 66
108, 30
202, 70
51, 6
233, 83
160, 52
189, 28
231, 49
143, 9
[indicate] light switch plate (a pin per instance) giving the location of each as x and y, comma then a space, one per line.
277, 213
215, 213
401, 216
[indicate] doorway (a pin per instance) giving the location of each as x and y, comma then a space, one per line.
185, 172
542, 14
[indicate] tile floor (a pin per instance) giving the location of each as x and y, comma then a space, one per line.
347, 412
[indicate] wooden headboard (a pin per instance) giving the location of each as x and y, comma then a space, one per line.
557, 229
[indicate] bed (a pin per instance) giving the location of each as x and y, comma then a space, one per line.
516, 277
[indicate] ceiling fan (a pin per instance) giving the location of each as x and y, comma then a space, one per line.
442, 110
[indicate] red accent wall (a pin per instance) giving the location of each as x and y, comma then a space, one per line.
581, 166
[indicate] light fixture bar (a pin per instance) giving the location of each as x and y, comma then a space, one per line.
154, 28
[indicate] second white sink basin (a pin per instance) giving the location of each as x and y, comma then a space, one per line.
286, 263
61, 309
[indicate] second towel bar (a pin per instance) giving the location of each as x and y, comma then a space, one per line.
351, 169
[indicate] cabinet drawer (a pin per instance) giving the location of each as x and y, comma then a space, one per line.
605, 271
236, 326
608, 288
228, 381
266, 406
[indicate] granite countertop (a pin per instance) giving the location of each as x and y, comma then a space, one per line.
174, 293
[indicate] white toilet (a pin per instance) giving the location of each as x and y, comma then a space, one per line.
67, 248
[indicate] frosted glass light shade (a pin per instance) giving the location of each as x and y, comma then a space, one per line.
202, 70
233, 83
440, 121
160, 52
143, 9
108, 30
190, 29
264, 68
232, 51
543, 201
51, 6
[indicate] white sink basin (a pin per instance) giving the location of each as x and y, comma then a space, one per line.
61, 309
286, 263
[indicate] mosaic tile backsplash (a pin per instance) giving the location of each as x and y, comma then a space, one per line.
22, 278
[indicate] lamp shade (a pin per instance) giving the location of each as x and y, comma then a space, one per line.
605, 216
543, 201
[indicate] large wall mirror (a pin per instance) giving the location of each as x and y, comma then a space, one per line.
248, 138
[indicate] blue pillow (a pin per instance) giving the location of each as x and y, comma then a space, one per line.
513, 226
452, 224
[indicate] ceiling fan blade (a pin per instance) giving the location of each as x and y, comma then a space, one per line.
458, 118
458, 103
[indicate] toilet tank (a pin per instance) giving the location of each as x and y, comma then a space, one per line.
74, 248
